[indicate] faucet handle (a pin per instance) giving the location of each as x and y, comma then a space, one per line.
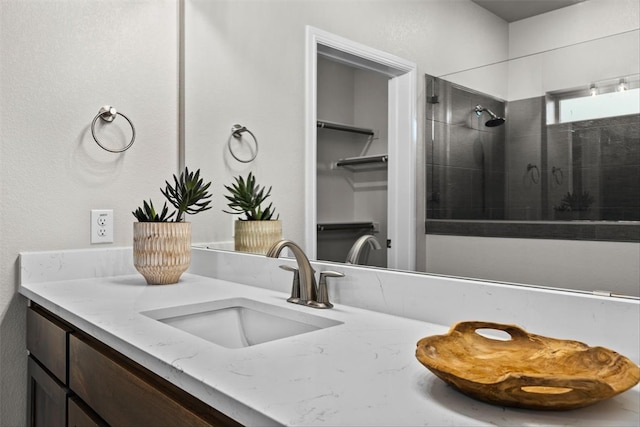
323, 292
295, 286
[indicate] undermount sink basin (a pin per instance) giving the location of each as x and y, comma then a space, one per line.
239, 322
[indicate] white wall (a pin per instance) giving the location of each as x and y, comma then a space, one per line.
575, 66
584, 34
585, 265
565, 264
245, 64
581, 22
60, 61
596, 40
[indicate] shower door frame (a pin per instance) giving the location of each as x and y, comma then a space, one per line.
402, 139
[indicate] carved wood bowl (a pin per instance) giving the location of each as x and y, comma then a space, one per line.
526, 370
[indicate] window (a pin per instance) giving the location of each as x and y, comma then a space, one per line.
608, 99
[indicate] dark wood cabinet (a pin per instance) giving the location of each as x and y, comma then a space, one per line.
76, 380
47, 340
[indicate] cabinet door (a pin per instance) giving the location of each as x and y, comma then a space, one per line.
47, 398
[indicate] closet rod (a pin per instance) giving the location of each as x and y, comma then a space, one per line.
365, 160
346, 128
346, 226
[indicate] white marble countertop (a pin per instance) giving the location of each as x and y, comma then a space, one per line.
362, 372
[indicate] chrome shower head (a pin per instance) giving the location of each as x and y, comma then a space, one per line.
494, 121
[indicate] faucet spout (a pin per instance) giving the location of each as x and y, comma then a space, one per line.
308, 287
359, 252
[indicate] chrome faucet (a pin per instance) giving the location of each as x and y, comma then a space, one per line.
305, 289
360, 248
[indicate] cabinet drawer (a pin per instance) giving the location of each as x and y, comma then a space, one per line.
124, 393
47, 341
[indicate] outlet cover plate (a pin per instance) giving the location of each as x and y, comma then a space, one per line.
101, 225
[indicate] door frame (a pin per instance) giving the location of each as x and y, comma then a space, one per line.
402, 139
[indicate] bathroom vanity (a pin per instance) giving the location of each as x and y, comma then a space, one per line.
107, 349
76, 380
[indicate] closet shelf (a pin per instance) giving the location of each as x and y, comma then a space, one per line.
363, 161
323, 124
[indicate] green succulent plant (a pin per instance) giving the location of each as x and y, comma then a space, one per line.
188, 194
147, 213
246, 198
575, 201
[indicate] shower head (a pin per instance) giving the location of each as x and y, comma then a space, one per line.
494, 121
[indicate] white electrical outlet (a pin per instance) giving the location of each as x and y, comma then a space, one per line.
101, 226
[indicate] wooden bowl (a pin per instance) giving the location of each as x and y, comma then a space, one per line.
527, 370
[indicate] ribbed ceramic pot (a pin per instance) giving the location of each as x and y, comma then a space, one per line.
257, 236
161, 250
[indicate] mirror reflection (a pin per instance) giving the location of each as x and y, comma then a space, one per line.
244, 63
570, 153
351, 168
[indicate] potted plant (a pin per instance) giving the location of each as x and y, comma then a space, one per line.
258, 230
162, 240
574, 205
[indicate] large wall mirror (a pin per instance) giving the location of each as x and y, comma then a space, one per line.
486, 195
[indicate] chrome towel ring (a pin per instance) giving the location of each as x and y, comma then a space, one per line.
535, 172
236, 132
558, 175
108, 114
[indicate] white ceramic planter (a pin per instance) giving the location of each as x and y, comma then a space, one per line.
257, 236
161, 250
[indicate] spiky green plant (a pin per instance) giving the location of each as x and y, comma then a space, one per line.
147, 213
188, 194
246, 198
576, 201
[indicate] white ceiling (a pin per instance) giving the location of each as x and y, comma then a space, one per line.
514, 10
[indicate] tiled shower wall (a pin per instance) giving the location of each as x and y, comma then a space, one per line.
465, 159
524, 151
523, 169
604, 161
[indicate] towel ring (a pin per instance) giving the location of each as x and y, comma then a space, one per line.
535, 172
236, 132
108, 114
558, 175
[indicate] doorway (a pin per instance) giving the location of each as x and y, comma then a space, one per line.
401, 144
351, 169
